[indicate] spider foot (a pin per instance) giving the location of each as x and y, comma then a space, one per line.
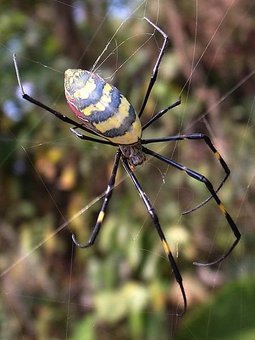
201, 264
182, 312
200, 205
78, 244
223, 257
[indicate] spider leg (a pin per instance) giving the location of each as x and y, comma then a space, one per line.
88, 138
156, 66
45, 107
161, 113
210, 188
156, 223
208, 142
101, 214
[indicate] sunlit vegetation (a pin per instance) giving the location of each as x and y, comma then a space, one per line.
122, 288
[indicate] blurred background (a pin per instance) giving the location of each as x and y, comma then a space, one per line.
51, 182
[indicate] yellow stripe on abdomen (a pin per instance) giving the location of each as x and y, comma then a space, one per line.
102, 106
117, 119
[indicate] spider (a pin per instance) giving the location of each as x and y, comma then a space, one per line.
104, 112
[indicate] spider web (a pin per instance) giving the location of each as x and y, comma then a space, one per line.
99, 283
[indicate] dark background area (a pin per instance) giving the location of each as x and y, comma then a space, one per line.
122, 287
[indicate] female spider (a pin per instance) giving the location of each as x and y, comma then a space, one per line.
105, 112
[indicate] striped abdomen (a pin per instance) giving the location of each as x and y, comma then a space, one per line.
102, 107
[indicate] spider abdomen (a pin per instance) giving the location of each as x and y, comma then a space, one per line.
102, 107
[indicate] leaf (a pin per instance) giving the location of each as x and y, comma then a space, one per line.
229, 316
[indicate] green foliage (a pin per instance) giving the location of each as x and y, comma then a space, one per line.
228, 316
122, 288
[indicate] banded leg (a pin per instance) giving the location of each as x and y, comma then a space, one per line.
208, 142
210, 188
156, 66
101, 215
156, 223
